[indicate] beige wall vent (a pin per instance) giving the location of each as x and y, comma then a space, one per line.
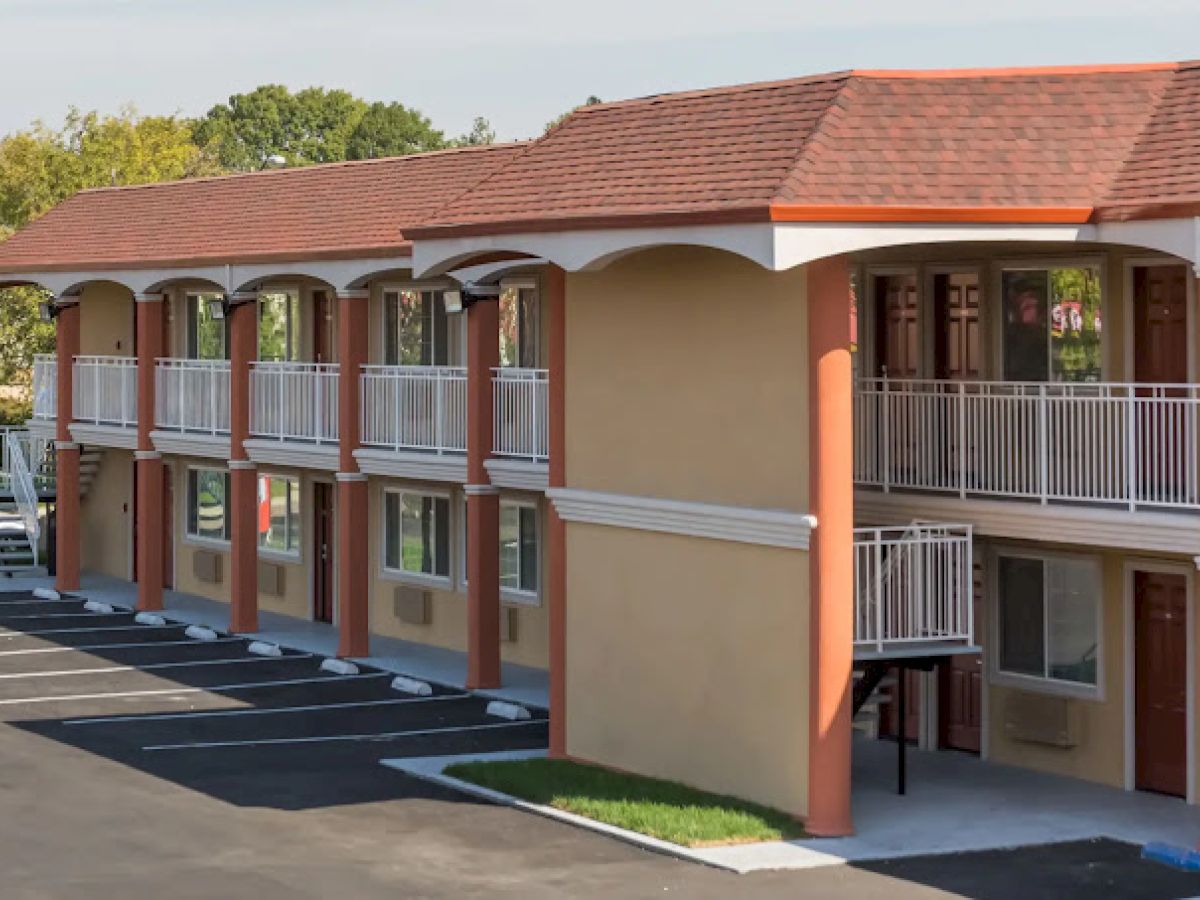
1041, 719
271, 579
412, 605
508, 625
206, 566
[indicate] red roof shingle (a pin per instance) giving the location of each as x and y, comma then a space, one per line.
328, 211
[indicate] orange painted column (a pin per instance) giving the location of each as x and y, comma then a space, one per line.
483, 500
67, 509
831, 554
555, 304
353, 526
149, 524
242, 323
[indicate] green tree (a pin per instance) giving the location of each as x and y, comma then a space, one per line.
313, 125
42, 166
480, 135
392, 129
554, 123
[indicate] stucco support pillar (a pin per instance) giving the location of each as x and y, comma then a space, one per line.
67, 507
242, 322
149, 524
831, 559
555, 304
353, 531
483, 500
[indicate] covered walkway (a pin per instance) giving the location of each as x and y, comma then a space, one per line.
520, 684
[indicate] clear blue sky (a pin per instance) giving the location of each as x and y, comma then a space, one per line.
521, 62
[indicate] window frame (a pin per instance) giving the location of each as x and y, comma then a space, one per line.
452, 337
995, 319
1044, 684
294, 338
424, 579
511, 596
271, 552
527, 284
189, 537
193, 300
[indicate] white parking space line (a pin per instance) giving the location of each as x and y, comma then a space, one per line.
32, 650
104, 670
270, 742
82, 614
164, 692
21, 634
216, 713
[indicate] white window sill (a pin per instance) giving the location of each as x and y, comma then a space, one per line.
1036, 685
417, 579
280, 556
203, 543
520, 598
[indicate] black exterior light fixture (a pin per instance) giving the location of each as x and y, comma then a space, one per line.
461, 299
220, 307
49, 310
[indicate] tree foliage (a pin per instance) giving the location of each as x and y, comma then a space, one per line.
392, 129
481, 134
554, 123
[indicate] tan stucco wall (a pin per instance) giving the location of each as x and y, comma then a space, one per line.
106, 313
297, 578
1100, 752
687, 379
688, 659
448, 606
106, 526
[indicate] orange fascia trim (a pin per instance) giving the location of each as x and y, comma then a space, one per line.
990, 215
1099, 69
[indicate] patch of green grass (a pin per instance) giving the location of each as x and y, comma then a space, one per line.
662, 809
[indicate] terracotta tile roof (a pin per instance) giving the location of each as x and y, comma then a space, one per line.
338, 210
1019, 144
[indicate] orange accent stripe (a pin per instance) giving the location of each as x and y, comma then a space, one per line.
1099, 69
1013, 215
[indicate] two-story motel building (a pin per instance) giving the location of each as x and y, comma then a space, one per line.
785, 381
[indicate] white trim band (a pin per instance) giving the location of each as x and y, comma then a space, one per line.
235, 464
146, 455
351, 476
480, 490
768, 527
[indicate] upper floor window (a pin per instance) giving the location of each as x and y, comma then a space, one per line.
1053, 320
519, 327
416, 331
278, 326
205, 332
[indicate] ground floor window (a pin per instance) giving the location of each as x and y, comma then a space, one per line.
416, 534
519, 548
279, 514
1049, 619
208, 504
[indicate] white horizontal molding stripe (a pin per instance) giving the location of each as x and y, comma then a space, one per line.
184, 444
104, 435
417, 466
293, 453
518, 475
44, 428
746, 525
1058, 523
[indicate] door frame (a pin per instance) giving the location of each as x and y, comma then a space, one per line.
314, 568
1129, 319
868, 311
929, 323
1131, 566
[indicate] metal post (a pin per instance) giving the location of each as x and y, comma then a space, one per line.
901, 742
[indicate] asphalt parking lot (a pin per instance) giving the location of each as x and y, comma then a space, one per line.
136, 759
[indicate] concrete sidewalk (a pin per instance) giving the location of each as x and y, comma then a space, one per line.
520, 684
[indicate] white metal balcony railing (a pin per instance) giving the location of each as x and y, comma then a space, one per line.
292, 401
520, 405
912, 584
192, 395
45, 387
415, 408
1134, 445
105, 390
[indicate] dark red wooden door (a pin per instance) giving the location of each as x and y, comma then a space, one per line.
323, 313
956, 310
323, 533
1160, 330
1160, 682
897, 325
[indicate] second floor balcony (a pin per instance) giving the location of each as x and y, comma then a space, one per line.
192, 396
105, 391
1116, 445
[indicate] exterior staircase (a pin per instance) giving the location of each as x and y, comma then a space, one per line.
28, 487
